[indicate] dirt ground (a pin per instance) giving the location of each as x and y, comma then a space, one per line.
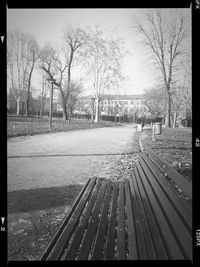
60, 159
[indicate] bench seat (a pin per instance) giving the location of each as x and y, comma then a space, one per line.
99, 226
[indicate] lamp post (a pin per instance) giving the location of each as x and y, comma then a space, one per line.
51, 80
93, 99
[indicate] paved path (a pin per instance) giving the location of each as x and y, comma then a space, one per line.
62, 158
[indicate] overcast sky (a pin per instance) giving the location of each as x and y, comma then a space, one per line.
48, 24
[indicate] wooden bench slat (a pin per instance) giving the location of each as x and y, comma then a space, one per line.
75, 244
174, 221
111, 235
132, 245
121, 255
146, 231
141, 248
154, 230
92, 227
142, 218
173, 251
54, 251
101, 232
180, 206
185, 185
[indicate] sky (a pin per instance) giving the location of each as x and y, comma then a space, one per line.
47, 26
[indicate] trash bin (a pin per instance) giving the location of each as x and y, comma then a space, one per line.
157, 127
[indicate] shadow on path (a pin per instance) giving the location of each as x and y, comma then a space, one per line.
42, 198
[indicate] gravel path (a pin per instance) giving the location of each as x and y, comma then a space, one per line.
64, 158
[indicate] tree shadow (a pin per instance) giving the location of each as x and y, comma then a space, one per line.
42, 198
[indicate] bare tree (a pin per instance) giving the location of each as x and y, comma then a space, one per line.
155, 100
181, 103
56, 62
22, 51
32, 57
72, 101
102, 59
45, 89
53, 65
165, 35
14, 62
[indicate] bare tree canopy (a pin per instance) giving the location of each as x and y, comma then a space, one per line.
155, 100
165, 33
57, 63
22, 53
102, 58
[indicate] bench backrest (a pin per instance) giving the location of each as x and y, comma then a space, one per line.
172, 174
163, 219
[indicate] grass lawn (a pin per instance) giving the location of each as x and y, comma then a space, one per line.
17, 126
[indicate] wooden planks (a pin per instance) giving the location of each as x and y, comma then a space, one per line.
132, 246
183, 210
158, 248
92, 226
102, 227
185, 185
168, 218
83, 194
137, 219
75, 244
141, 247
111, 234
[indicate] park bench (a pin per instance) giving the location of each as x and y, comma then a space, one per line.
143, 218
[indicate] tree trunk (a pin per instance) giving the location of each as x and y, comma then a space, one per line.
42, 97
168, 115
41, 106
27, 105
29, 87
63, 101
97, 111
175, 118
65, 117
18, 106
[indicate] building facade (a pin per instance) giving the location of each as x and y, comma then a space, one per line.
112, 105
